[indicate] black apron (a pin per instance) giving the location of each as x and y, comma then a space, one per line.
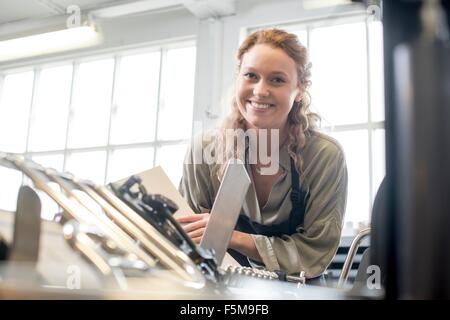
287, 227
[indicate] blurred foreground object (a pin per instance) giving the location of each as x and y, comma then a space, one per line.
115, 242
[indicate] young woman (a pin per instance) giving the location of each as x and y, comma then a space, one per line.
291, 219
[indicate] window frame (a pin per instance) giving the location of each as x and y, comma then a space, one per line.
75, 60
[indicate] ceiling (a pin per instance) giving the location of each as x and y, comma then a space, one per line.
23, 12
20, 14
12, 11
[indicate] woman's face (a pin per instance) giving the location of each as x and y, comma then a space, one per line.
267, 86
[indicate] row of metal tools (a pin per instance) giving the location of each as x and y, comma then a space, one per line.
120, 229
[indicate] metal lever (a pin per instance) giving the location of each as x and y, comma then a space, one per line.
27, 227
351, 255
118, 222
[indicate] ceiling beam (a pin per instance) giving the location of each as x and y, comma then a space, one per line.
204, 9
133, 7
50, 5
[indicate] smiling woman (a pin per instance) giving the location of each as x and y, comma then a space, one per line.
292, 218
266, 87
283, 74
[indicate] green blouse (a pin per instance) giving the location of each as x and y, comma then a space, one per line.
324, 177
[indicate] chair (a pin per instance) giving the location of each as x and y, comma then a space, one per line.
369, 257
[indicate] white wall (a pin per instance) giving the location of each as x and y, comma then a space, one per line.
148, 28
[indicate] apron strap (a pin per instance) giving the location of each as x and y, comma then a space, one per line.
289, 226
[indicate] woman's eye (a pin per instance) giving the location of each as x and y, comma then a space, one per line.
278, 80
250, 75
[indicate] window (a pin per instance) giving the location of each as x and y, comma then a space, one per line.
15, 111
102, 119
137, 160
347, 92
91, 104
176, 93
136, 99
51, 102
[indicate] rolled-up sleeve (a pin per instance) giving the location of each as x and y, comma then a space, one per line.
313, 249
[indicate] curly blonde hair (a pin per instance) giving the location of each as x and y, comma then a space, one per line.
301, 121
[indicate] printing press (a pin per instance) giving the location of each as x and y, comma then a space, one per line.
117, 242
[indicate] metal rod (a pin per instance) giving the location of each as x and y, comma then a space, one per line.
351, 255
110, 229
128, 226
146, 234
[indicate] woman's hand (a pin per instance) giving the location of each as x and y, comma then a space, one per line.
195, 225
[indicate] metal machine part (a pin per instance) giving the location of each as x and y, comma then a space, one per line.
27, 227
415, 247
132, 241
233, 275
157, 210
4, 249
117, 224
351, 255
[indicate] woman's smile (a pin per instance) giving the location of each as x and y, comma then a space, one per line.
258, 106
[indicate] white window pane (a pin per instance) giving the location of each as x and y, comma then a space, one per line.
355, 144
302, 37
136, 99
10, 182
88, 165
376, 65
177, 95
49, 121
49, 206
126, 162
379, 158
92, 102
15, 103
54, 161
171, 158
339, 73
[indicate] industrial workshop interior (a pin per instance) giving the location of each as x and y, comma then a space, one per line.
246, 150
